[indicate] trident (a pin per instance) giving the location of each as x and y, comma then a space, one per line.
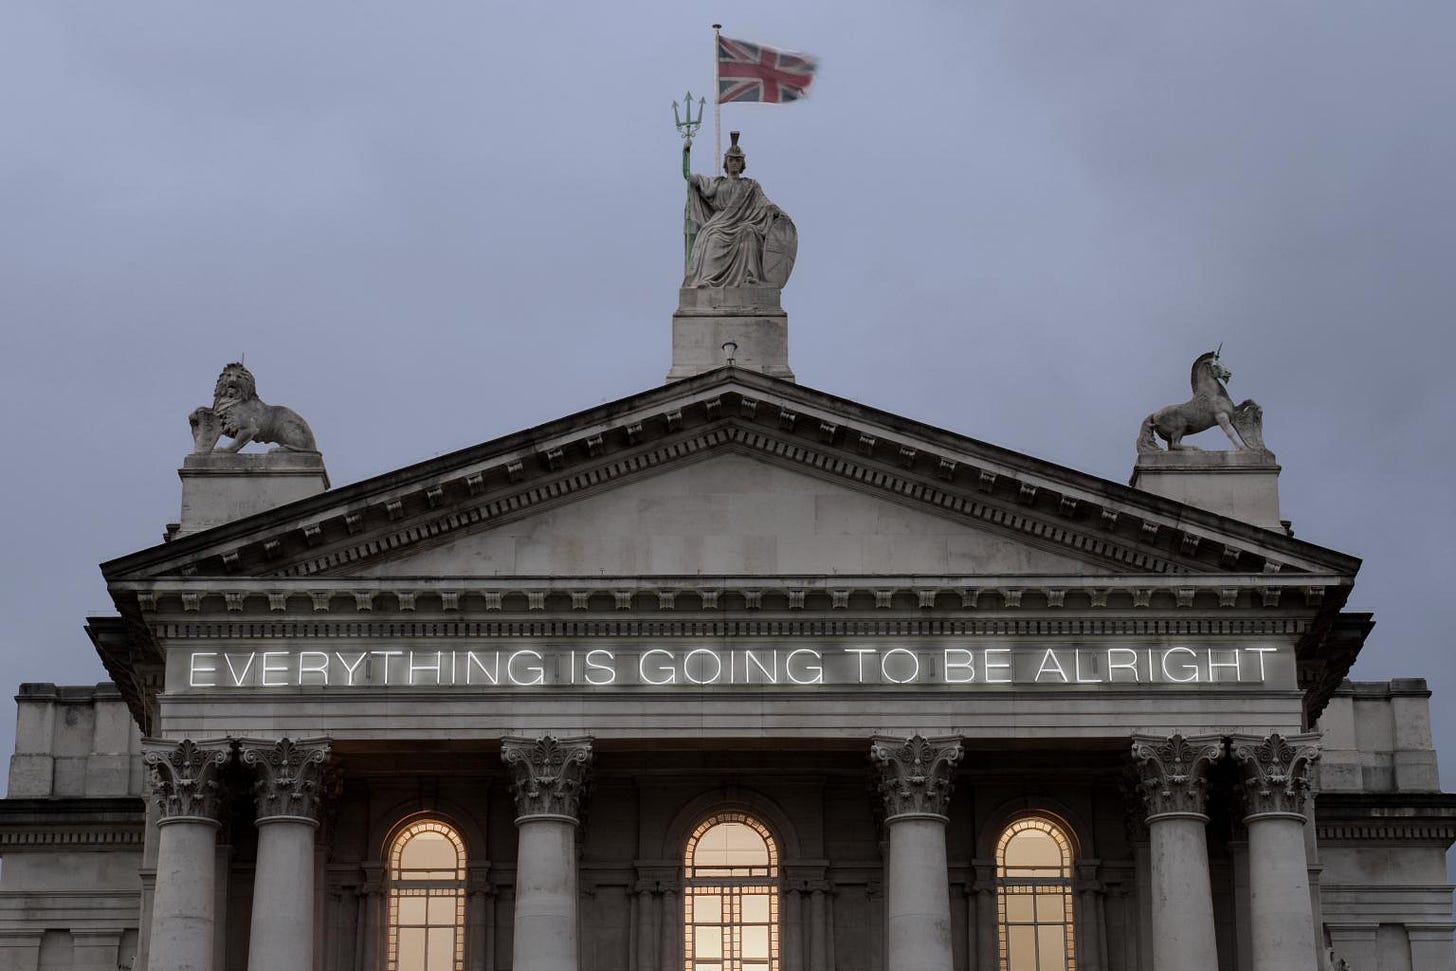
687, 127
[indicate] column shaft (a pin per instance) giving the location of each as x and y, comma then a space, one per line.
182, 907
1183, 935
1280, 917
918, 896
545, 938
281, 937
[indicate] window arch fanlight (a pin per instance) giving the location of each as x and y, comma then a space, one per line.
731, 896
426, 898
1034, 896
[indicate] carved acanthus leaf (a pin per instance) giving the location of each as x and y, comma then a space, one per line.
548, 775
1277, 771
290, 773
185, 775
916, 774
1173, 772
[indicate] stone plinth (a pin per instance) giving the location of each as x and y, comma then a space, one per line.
1242, 485
750, 317
219, 487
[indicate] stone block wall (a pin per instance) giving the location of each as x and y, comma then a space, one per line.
71, 833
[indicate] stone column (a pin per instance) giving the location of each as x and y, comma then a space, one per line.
188, 794
371, 916
548, 779
916, 778
1276, 779
1172, 782
287, 793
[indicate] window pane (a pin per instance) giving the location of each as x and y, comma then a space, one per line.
1033, 848
411, 910
1050, 908
442, 949
755, 942
755, 908
707, 909
1019, 907
1053, 951
429, 851
730, 845
1023, 948
708, 942
411, 950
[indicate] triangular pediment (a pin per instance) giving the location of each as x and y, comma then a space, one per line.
731, 472
731, 513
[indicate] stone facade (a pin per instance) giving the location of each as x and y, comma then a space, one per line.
888, 648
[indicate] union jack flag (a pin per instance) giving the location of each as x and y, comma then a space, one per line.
752, 72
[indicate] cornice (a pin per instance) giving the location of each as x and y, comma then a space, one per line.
1049, 599
47, 823
1040, 503
1423, 817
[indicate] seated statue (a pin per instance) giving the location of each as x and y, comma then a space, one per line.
741, 239
240, 414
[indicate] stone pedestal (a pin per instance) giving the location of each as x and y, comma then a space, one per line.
1242, 485
548, 776
281, 937
1172, 783
916, 778
1276, 781
219, 487
749, 317
186, 790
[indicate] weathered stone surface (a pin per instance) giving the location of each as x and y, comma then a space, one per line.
749, 319
290, 774
730, 514
219, 487
1278, 771
185, 777
1242, 485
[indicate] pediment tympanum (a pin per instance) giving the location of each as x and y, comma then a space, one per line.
730, 514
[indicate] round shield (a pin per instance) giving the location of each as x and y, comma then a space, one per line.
780, 247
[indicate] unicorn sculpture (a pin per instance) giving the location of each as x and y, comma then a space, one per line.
1209, 406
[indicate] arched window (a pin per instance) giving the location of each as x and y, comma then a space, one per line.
1034, 896
731, 896
427, 899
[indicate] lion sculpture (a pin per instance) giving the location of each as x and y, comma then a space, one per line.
1210, 405
240, 414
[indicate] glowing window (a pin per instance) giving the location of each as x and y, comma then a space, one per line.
427, 899
731, 896
1034, 897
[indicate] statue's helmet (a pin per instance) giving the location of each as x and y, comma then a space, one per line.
734, 151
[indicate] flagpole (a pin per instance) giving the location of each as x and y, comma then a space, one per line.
717, 107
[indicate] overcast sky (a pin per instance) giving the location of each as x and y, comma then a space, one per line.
428, 225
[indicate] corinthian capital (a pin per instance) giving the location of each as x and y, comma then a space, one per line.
1277, 771
290, 776
548, 775
185, 777
1173, 772
916, 773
